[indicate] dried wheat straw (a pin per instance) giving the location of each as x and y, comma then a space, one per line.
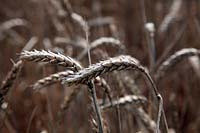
10, 78
174, 59
50, 57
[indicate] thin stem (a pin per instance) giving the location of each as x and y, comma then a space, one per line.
149, 37
161, 113
92, 86
96, 106
119, 117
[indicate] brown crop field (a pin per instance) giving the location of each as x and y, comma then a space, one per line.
105, 66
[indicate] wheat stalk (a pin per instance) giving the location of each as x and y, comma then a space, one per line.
174, 59
9, 80
171, 16
50, 57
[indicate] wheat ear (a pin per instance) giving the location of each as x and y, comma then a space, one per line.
138, 111
9, 80
57, 77
50, 57
128, 99
51, 79
102, 41
174, 59
117, 63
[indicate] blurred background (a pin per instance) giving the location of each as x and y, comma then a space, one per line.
169, 25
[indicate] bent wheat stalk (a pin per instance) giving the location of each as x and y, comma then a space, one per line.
50, 57
10, 78
117, 63
174, 59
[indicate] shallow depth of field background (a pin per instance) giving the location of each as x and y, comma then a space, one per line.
180, 87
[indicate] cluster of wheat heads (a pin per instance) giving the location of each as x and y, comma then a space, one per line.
75, 74
117, 63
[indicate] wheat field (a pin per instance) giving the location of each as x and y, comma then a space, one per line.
105, 66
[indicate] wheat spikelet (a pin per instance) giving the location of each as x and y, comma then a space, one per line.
117, 63
106, 40
128, 99
102, 41
57, 77
51, 79
99, 81
138, 111
10, 78
104, 85
13, 23
94, 125
174, 59
50, 57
